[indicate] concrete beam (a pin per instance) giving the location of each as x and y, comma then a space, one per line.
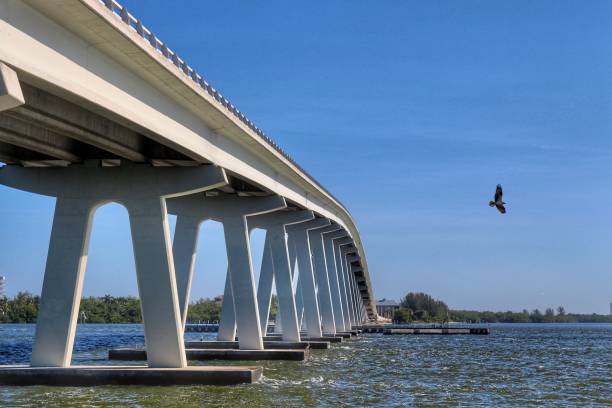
21, 134
109, 182
352, 258
11, 95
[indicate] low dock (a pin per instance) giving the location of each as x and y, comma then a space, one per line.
207, 327
436, 329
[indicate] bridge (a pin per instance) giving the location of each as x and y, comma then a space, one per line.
95, 108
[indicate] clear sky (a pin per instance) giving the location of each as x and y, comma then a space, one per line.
410, 113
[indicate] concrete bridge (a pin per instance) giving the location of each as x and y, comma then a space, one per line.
94, 108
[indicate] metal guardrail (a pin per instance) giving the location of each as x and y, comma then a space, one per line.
161, 47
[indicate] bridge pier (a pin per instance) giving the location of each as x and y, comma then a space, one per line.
264, 286
79, 190
315, 237
299, 299
275, 224
240, 296
345, 250
340, 264
298, 234
350, 258
227, 321
332, 271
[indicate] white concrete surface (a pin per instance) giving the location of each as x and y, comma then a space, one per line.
10, 90
275, 224
332, 271
80, 190
231, 211
265, 284
319, 263
340, 261
298, 233
349, 285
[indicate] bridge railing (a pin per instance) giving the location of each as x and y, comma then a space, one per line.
162, 48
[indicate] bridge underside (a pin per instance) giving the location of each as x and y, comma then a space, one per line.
51, 131
161, 158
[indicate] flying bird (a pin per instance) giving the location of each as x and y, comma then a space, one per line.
498, 202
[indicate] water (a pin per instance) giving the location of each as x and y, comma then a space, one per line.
517, 365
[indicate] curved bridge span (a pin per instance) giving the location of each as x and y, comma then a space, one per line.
95, 108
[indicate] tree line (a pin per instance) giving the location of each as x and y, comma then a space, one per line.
421, 307
23, 308
414, 307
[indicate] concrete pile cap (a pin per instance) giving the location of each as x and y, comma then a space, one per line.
127, 375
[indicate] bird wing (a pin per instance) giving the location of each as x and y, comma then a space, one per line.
501, 208
498, 193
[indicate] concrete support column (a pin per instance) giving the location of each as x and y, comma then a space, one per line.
184, 249
354, 267
240, 309
340, 261
266, 282
357, 299
227, 322
63, 283
299, 299
355, 290
319, 263
142, 189
332, 271
243, 284
275, 223
156, 283
299, 303
351, 256
359, 302
284, 287
347, 282
278, 325
357, 269
299, 234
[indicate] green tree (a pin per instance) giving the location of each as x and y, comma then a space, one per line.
273, 307
424, 307
204, 309
23, 308
402, 315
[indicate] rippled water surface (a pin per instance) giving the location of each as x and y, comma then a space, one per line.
517, 365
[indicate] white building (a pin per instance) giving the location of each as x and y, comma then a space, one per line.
386, 307
2, 286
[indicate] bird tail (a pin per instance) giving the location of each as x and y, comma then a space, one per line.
491, 203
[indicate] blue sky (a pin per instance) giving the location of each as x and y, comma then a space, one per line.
410, 113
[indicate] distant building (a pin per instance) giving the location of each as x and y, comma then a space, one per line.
386, 308
2, 286
610, 308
